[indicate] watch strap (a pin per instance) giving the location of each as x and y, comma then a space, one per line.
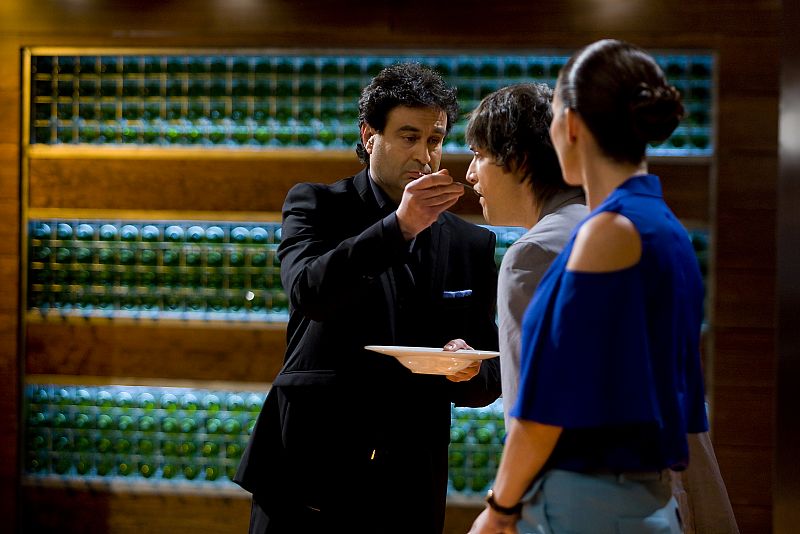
505, 510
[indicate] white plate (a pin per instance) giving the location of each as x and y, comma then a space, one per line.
433, 361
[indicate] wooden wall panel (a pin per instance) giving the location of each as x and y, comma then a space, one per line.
74, 512
215, 352
743, 34
183, 182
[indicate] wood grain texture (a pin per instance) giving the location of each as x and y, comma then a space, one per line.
738, 201
191, 351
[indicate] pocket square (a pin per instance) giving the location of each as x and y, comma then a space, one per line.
457, 294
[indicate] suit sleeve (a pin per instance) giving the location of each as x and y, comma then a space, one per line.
321, 265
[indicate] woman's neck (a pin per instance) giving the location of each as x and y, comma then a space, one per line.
601, 176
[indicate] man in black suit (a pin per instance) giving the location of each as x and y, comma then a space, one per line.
350, 440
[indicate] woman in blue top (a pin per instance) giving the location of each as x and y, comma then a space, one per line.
611, 381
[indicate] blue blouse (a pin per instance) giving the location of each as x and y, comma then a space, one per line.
613, 357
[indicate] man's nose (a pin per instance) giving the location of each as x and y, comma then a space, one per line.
422, 154
472, 176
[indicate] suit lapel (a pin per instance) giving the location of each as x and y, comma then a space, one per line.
374, 213
438, 256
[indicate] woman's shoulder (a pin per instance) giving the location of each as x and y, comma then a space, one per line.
606, 241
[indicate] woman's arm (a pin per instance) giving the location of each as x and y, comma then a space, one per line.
528, 446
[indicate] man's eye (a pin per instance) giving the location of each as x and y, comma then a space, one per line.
435, 141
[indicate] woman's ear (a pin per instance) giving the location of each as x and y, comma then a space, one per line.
574, 124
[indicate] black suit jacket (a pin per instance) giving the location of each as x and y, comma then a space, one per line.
338, 411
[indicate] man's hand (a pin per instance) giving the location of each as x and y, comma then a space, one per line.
471, 370
424, 199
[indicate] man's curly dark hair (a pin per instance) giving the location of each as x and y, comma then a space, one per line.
513, 126
403, 84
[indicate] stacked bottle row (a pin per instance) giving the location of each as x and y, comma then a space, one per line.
476, 445
137, 432
174, 268
286, 100
193, 435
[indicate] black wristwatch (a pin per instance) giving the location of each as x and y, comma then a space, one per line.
505, 510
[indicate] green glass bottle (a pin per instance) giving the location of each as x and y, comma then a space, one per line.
169, 471
146, 423
103, 445
189, 471
59, 420
83, 466
41, 231
128, 232
104, 422
108, 232
253, 403
240, 234
193, 257
259, 235
106, 256
82, 443
195, 234
236, 258
170, 257
169, 448
64, 255
232, 426
124, 468
150, 233
36, 441
104, 467
63, 231
258, 258
104, 399
214, 258
209, 448
213, 425
62, 443
83, 255
122, 446
42, 254
214, 234
174, 233
148, 257
211, 472
145, 446
146, 400
85, 232
234, 402
169, 424
62, 465
125, 422
36, 419
82, 420
188, 425
233, 450
169, 402
187, 449
146, 469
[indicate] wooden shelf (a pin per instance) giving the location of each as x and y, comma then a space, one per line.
158, 350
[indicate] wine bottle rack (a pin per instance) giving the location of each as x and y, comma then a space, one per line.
287, 100
180, 269
137, 432
178, 435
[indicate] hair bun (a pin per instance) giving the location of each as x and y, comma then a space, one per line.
655, 112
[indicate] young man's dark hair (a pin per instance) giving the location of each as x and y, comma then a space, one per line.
404, 84
513, 126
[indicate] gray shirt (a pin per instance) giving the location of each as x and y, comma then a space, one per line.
523, 266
